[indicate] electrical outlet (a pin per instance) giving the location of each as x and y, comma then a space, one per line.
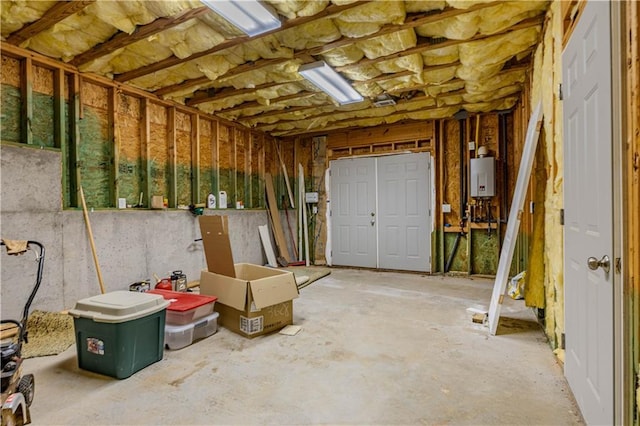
311, 197
472, 146
446, 208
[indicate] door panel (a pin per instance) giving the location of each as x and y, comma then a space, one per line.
353, 193
404, 212
588, 213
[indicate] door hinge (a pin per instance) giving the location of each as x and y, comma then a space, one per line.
561, 216
560, 91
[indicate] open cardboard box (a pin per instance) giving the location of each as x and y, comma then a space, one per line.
252, 300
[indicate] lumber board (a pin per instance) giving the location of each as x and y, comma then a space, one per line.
266, 245
302, 205
515, 213
281, 242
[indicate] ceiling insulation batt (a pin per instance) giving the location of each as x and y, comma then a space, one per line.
430, 58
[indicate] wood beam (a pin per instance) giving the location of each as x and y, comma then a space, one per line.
195, 159
415, 99
352, 121
426, 46
75, 115
113, 146
26, 95
307, 55
173, 157
59, 104
228, 92
409, 22
254, 104
246, 67
55, 14
142, 32
174, 60
145, 146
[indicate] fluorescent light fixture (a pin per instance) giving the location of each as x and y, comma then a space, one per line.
328, 80
251, 16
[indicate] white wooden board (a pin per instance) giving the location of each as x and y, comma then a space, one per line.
266, 245
515, 215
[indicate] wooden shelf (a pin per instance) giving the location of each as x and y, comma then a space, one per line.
473, 226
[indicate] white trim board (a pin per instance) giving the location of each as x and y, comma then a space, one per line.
515, 215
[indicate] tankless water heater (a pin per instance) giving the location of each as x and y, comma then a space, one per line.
483, 181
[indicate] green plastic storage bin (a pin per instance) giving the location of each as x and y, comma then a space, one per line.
119, 333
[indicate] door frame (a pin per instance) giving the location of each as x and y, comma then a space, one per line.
431, 195
623, 376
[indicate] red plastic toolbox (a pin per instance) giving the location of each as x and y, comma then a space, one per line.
186, 307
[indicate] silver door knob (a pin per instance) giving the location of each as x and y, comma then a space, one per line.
603, 263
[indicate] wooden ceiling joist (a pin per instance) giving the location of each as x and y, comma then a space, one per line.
426, 46
123, 39
246, 105
353, 122
174, 60
227, 92
410, 22
247, 67
55, 14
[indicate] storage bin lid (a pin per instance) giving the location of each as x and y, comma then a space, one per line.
180, 301
118, 306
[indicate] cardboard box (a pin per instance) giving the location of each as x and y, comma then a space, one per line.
157, 202
252, 300
258, 301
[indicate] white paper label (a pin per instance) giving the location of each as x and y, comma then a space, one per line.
251, 325
95, 346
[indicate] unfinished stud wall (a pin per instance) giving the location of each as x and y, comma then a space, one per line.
480, 234
547, 76
119, 142
128, 146
115, 142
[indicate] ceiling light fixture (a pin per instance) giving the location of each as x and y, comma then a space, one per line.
329, 81
251, 16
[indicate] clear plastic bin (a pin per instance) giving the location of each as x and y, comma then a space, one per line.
180, 336
184, 308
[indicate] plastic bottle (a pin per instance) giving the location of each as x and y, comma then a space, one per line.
211, 201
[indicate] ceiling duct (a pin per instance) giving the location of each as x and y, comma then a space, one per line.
384, 100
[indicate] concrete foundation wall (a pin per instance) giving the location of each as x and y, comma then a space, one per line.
131, 244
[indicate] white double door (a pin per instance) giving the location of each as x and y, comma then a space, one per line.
381, 212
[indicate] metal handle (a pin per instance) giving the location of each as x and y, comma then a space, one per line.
603, 263
373, 221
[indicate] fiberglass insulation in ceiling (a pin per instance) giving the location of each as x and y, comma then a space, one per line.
427, 59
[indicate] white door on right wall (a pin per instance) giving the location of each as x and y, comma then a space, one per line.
588, 242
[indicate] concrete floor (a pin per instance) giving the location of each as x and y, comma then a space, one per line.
376, 348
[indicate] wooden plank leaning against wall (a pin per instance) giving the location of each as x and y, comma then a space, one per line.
120, 141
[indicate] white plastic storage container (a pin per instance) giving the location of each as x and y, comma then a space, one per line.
179, 336
184, 308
